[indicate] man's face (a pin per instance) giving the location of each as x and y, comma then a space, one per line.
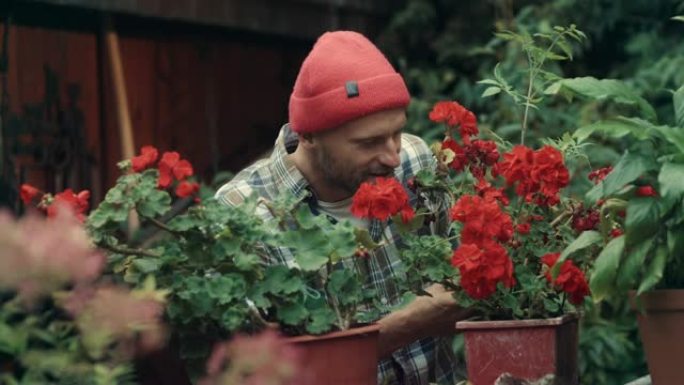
359, 150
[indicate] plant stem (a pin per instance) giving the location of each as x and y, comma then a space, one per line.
126, 250
161, 225
341, 321
562, 305
560, 218
534, 69
527, 102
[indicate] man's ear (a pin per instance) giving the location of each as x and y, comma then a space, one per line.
306, 140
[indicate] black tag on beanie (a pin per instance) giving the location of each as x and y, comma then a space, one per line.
352, 88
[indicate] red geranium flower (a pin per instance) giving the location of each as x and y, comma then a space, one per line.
570, 278
186, 189
407, 214
523, 228
78, 203
539, 174
148, 155
489, 192
482, 267
379, 200
483, 220
452, 113
597, 176
28, 193
170, 166
646, 191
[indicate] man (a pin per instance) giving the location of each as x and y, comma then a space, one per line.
346, 113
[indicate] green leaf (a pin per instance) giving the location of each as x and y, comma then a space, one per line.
675, 241
602, 279
227, 288
490, 91
643, 219
321, 320
107, 213
612, 89
305, 218
629, 168
678, 18
674, 135
553, 89
615, 128
407, 228
654, 272
292, 314
427, 178
280, 279
364, 238
489, 81
154, 203
182, 223
341, 241
13, 341
247, 262
565, 47
671, 180
678, 102
345, 286
311, 247
585, 240
633, 263
147, 265
233, 317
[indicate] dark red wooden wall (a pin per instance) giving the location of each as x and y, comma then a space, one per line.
218, 97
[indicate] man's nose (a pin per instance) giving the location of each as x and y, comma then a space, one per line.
390, 156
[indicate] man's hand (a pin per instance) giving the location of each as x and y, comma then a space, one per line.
426, 316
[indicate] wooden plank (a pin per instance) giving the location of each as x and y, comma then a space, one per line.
62, 64
296, 18
138, 64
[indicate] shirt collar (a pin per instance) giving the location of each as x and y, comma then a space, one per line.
286, 176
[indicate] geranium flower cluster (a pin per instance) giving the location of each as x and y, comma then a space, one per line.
481, 259
487, 232
570, 279
538, 176
381, 199
492, 253
78, 203
171, 167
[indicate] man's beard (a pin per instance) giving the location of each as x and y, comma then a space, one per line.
344, 176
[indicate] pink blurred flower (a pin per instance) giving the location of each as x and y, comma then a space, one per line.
40, 256
111, 313
264, 359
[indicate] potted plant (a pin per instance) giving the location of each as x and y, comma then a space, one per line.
641, 199
511, 224
209, 258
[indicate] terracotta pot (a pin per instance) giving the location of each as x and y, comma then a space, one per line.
525, 349
661, 326
348, 357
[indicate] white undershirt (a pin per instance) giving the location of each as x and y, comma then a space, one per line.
340, 210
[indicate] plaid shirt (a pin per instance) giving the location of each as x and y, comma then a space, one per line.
425, 361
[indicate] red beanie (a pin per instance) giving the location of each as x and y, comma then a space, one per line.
344, 77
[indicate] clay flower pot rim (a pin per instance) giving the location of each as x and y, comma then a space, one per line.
368, 329
509, 324
658, 300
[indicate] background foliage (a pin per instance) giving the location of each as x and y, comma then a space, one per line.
444, 47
